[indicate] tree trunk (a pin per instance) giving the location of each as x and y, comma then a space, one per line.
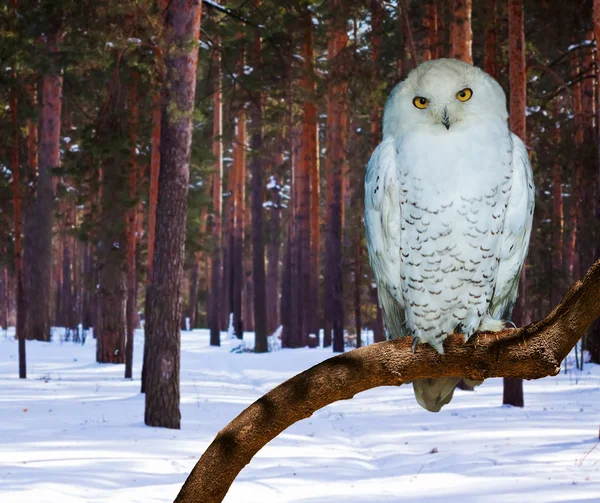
181, 29
557, 222
131, 306
215, 296
194, 280
111, 329
38, 235
273, 248
239, 203
513, 388
336, 157
428, 38
461, 34
490, 39
377, 19
152, 203
16, 187
258, 197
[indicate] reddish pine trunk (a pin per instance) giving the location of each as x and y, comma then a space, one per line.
490, 39
429, 31
513, 388
461, 34
194, 280
357, 289
4, 297
575, 211
557, 225
217, 207
38, 249
131, 306
336, 155
377, 18
152, 203
154, 172
181, 31
239, 202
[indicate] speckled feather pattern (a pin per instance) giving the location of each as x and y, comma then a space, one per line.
448, 214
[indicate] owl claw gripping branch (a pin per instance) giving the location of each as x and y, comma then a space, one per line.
449, 200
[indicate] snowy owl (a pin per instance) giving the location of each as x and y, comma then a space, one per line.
449, 200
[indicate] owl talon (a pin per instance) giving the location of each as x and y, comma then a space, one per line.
414, 344
510, 323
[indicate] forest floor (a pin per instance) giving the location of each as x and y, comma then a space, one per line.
74, 432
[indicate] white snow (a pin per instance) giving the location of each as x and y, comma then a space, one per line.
74, 432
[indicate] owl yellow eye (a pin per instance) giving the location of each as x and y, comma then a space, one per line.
464, 95
420, 102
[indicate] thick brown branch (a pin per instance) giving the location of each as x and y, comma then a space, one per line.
531, 352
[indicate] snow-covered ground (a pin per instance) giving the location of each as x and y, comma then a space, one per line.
73, 432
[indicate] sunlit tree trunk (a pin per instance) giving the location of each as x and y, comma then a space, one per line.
513, 388
181, 31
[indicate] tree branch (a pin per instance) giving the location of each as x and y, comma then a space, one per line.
531, 352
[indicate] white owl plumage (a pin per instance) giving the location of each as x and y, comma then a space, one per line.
449, 200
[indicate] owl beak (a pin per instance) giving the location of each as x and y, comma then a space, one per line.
446, 119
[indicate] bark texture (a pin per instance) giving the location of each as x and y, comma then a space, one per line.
530, 352
215, 295
181, 29
461, 34
513, 388
38, 235
337, 125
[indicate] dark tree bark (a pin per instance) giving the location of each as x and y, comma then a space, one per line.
181, 31
111, 327
532, 352
513, 388
258, 197
38, 235
131, 306
152, 203
273, 249
490, 38
16, 187
239, 210
215, 295
194, 280
337, 122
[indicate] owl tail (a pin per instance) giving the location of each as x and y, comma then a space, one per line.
433, 394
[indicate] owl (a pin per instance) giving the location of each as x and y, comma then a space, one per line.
449, 200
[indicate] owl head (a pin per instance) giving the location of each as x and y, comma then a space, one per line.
443, 96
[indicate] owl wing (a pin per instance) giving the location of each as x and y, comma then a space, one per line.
382, 223
516, 233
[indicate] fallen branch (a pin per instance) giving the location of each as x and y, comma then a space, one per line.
531, 352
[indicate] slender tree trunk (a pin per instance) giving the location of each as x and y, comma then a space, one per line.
38, 236
461, 34
513, 388
4, 297
557, 223
357, 290
14, 166
182, 27
132, 226
239, 201
215, 296
336, 154
194, 281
